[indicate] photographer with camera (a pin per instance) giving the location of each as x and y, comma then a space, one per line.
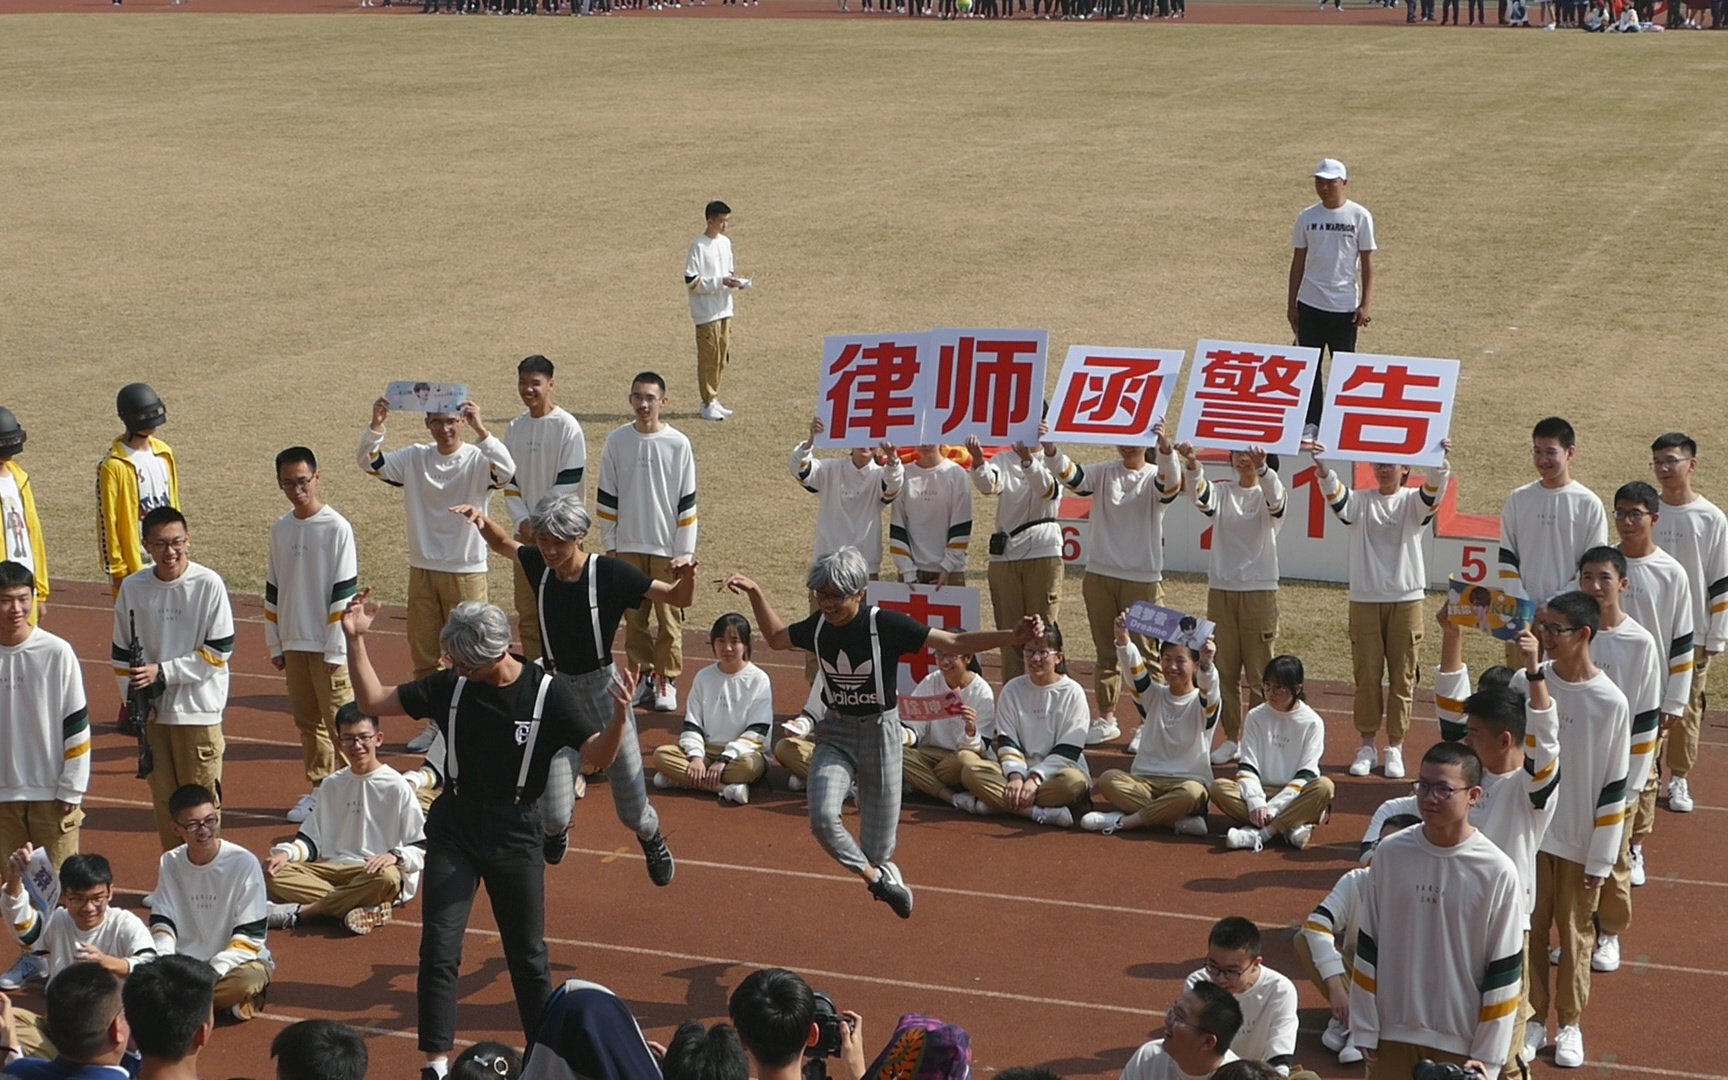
790, 1030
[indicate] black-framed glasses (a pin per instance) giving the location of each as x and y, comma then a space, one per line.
201, 825
1553, 628
1631, 515
296, 484
1231, 973
1443, 792
358, 740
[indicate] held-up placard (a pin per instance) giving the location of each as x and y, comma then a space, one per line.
874, 387
1388, 408
1113, 396
988, 383
1241, 395
950, 607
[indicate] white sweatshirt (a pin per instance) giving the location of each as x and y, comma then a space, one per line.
849, 501
1281, 751
706, 269
1041, 730
1176, 739
1334, 921
930, 524
358, 817
735, 710
1245, 524
1125, 527
646, 497
1386, 564
1659, 596
1440, 948
1595, 757
187, 627
550, 455
1632, 660
120, 934
215, 912
431, 484
1696, 533
1024, 494
1150, 1062
310, 574
949, 733
1268, 1031
46, 721
1543, 532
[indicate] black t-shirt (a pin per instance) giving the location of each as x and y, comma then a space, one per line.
567, 632
492, 724
848, 669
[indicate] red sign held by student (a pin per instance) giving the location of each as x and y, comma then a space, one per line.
989, 383
1243, 395
874, 387
1388, 408
1113, 395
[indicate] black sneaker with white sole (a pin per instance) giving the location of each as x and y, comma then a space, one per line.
554, 847
890, 888
660, 864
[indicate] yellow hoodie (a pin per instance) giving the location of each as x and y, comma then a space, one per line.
120, 546
33, 527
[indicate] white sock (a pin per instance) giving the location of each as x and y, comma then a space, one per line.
439, 1065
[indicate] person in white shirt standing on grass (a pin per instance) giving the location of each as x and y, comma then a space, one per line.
210, 904
1693, 530
1331, 274
710, 278
1199, 1027
1388, 579
362, 849
45, 770
1439, 952
1547, 524
1124, 556
446, 559
550, 453
647, 508
1026, 549
1242, 576
310, 573
186, 631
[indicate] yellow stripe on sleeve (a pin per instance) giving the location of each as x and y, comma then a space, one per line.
1497, 1010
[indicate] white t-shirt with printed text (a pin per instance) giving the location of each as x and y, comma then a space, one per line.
1333, 239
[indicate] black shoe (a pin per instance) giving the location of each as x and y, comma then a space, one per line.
429, 1073
660, 864
555, 847
891, 889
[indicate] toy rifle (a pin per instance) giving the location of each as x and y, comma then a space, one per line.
139, 700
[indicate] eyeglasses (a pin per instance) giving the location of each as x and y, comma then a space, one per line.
1176, 1019
357, 740
828, 596
201, 825
1443, 792
1547, 455
1551, 628
1037, 654
1662, 464
81, 900
1631, 515
1231, 973
168, 545
296, 484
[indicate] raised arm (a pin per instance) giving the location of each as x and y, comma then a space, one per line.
369, 692
681, 593
500, 541
1030, 628
768, 621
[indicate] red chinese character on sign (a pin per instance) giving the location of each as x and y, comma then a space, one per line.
1247, 398
937, 616
985, 381
1112, 396
1386, 408
873, 394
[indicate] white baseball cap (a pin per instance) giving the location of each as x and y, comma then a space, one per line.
1331, 169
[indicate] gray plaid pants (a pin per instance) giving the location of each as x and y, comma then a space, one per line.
623, 776
868, 750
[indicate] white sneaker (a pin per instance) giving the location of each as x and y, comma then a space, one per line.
1635, 866
736, 793
1607, 954
1189, 826
972, 804
1569, 1047
1394, 766
149, 900
1679, 796
1335, 1035
709, 412
1245, 840
662, 783
665, 697
1059, 816
1310, 433
1103, 729
422, 742
28, 966
303, 809
1299, 836
725, 413
1134, 743
794, 783
1535, 1038
1364, 763
1105, 823
1227, 752
1350, 1053
281, 916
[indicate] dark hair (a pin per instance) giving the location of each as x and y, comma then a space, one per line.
1193, 653
1495, 678
1675, 440
1481, 595
652, 378
1580, 609
1459, 754
161, 517
419, 386
535, 365
1641, 493
773, 1009
1052, 637
1602, 553
1399, 821
1220, 1013
1286, 671
167, 1001
1552, 427
695, 1053
297, 455
1499, 709
736, 623
319, 1050
15, 575
486, 1061
1242, 1069
350, 714
1233, 932
82, 1002
186, 796
80, 872
715, 209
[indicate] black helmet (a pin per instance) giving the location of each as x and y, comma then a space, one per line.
139, 407
11, 434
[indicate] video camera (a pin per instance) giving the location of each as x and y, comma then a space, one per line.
1429, 1070
828, 1021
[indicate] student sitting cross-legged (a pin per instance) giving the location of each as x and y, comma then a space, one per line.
933, 761
1041, 723
727, 720
1282, 741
